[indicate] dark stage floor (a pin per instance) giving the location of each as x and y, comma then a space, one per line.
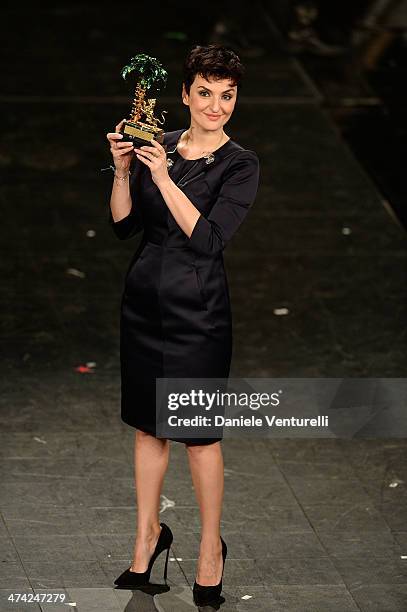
311, 525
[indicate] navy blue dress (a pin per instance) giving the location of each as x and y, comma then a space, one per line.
176, 319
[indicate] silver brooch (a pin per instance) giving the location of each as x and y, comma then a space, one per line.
169, 162
209, 158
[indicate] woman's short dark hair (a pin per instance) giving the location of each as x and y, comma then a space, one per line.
215, 61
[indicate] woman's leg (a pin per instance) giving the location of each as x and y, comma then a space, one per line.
206, 464
150, 464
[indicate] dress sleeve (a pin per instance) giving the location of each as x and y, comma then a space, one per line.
237, 194
132, 224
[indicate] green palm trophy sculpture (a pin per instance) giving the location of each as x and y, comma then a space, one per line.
142, 126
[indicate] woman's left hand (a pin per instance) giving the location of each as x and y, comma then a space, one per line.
155, 158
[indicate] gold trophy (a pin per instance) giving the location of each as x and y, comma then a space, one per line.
142, 126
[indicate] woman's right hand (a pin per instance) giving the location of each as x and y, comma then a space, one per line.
122, 152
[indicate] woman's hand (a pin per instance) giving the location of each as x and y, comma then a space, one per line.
155, 158
122, 151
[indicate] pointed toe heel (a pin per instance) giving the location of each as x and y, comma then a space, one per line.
207, 595
129, 579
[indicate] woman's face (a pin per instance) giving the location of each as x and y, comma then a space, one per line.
211, 103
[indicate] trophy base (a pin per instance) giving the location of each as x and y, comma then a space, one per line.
141, 133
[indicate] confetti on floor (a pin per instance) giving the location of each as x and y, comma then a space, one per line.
75, 272
281, 311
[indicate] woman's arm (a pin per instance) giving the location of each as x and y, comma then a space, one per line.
181, 207
124, 215
120, 200
207, 235
123, 202
210, 234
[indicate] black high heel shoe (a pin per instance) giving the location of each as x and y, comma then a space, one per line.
207, 595
129, 579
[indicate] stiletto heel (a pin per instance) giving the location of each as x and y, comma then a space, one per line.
129, 579
166, 563
207, 595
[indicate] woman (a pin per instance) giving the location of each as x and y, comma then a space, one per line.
189, 197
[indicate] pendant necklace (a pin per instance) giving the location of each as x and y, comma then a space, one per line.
206, 154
